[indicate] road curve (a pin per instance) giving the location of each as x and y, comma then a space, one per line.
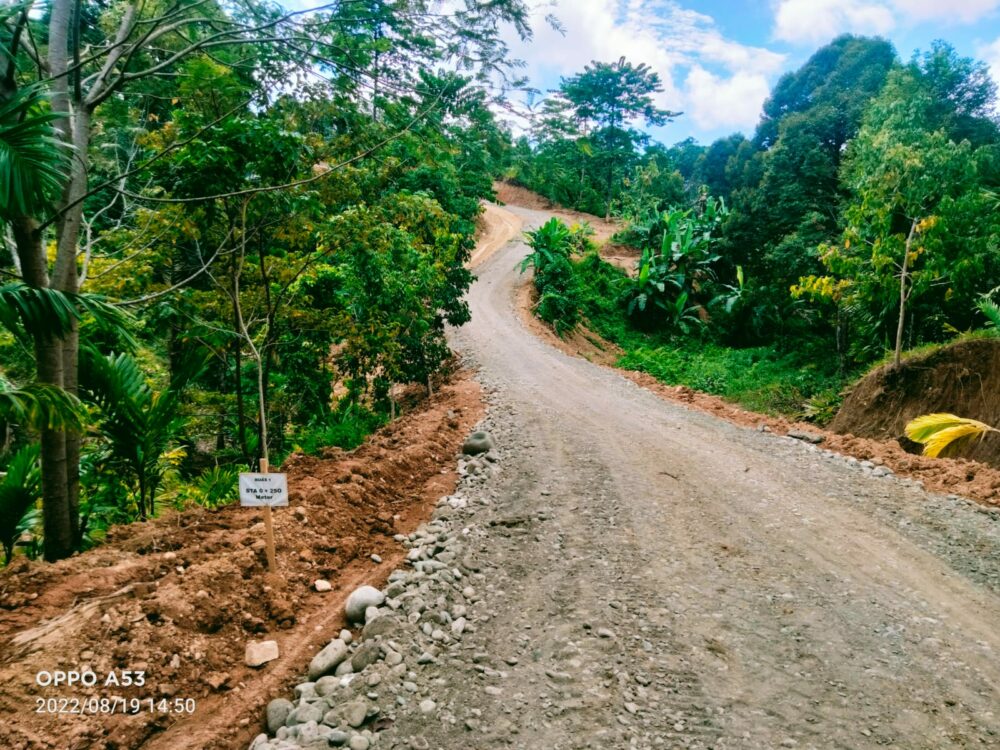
758, 593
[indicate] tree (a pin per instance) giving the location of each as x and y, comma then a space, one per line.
785, 190
607, 98
128, 54
909, 230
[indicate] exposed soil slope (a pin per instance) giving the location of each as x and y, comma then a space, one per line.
963, 379
180, 596
515, 195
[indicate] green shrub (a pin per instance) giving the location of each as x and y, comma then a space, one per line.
559, 295
345, 428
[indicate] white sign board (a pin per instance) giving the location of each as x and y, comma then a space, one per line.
258, 490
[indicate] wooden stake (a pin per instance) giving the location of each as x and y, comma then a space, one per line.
272, 559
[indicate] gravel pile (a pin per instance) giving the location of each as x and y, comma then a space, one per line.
362, 682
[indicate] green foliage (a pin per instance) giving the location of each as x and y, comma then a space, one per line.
37, 406
585, 142
48, 312
914, 192
554, 277
757, 378
20, 489
141, 426
671, 289
216, 486
990, 311
32, 160
345, 428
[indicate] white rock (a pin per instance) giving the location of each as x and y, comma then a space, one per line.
360, 600
261, 652
322, 585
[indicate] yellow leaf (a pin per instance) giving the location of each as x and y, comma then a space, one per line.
937, 432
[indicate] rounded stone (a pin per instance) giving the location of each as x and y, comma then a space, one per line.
360, 600
478, 442
277, 714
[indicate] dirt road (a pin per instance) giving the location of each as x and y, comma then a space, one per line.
656, 577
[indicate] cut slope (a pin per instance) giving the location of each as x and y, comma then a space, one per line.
963, 379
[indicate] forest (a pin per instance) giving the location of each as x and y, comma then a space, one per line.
857, 222
231, 229
221, 219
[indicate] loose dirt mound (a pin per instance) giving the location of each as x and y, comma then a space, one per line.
963, 379
180, 596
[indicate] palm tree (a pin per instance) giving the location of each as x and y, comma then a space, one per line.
940, 432
139, 424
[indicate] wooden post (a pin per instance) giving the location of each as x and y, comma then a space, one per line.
272, 560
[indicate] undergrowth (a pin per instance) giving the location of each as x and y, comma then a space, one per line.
804, 383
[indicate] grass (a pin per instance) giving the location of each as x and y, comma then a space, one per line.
346, 428
759, 378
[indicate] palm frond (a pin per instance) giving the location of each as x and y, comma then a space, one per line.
40, 406
19, 490
940, 432
32, 159
990, 311
49, 312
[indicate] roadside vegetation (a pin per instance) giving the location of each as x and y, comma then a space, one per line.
228, 231
858, 222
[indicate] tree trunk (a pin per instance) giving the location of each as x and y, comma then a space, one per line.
903, 295
57, 357
58, 525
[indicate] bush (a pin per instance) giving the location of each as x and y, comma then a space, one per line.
559, 294
345, 428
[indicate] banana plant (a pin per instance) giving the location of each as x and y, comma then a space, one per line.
548, 243
945, 432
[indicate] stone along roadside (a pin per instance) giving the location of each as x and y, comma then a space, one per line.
356, 687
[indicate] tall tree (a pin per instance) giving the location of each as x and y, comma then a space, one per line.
911, 239
607, 99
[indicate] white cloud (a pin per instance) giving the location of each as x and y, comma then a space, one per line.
812, 21
990, 54
733, 102
671, 39
965, 11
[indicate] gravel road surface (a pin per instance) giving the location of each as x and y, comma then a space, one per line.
638, 575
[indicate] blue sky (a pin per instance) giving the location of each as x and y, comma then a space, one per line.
719, 58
